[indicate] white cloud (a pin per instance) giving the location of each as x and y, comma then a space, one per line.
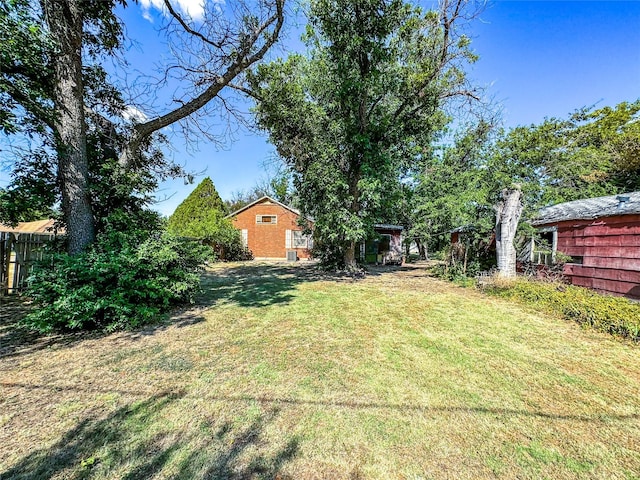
190, 8
135, 114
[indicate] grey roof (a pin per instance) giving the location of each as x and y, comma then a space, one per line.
388, 226
591, 208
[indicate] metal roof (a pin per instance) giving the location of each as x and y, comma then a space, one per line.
589, 209
388, 226
39, 226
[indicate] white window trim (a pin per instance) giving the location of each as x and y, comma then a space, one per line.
304, 239
260, 222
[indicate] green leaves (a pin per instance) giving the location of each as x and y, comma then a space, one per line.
345, 118
587, 155
124, 280
202, 216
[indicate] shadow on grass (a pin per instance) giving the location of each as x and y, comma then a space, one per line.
247, 285
16, 339
121, 446
256, 285
408, 407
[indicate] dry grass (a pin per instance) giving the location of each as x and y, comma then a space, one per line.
280, 372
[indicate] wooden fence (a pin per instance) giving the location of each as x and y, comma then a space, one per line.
18, 251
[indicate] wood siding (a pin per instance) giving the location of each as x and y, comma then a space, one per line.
609, 249
18, 252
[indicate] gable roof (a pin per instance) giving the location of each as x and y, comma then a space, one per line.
39, 226
590, 208
261, 200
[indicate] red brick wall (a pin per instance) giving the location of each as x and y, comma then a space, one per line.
265, 240
610, 251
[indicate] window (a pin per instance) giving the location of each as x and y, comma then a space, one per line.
544, 246
384, 244
267, 219
299, 240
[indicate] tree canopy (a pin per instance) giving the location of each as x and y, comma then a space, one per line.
590, 153
357, 112
54, 88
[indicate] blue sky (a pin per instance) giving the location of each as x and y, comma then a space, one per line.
537, 58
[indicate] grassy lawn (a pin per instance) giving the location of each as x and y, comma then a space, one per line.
283, 373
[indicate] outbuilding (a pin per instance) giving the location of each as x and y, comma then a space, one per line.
385, 247
602, 237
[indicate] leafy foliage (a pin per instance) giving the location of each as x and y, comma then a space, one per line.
614, 315
125, 279
25, 87
202, 216
587, 155
450, 191
356, 114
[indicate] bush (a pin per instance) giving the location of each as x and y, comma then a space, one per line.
615, 315
236, 252
124, 280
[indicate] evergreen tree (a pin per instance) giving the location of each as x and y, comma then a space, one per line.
202, 215
201, 206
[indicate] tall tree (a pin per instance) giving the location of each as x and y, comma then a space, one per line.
202, 215
358, 112
196, 208
65, 21
221, 49
450, 189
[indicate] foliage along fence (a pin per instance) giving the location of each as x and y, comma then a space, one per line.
18, 251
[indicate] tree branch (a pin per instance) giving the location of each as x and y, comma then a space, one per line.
188, 29
242, 61
246, 91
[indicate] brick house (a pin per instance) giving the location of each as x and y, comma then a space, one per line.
270, 230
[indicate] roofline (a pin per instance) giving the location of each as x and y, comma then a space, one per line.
266, 197
547, 216
388, 226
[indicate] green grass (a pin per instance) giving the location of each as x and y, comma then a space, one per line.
282, 372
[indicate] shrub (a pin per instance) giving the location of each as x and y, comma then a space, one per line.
615, 315
122, 281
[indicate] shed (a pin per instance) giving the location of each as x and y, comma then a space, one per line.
270, 229
602, 236
385, 247
39, 226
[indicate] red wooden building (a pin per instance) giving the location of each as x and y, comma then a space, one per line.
602, 236
270, 230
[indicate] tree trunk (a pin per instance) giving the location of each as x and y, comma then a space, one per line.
508, 213
422, 250
65, 23
350, 256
